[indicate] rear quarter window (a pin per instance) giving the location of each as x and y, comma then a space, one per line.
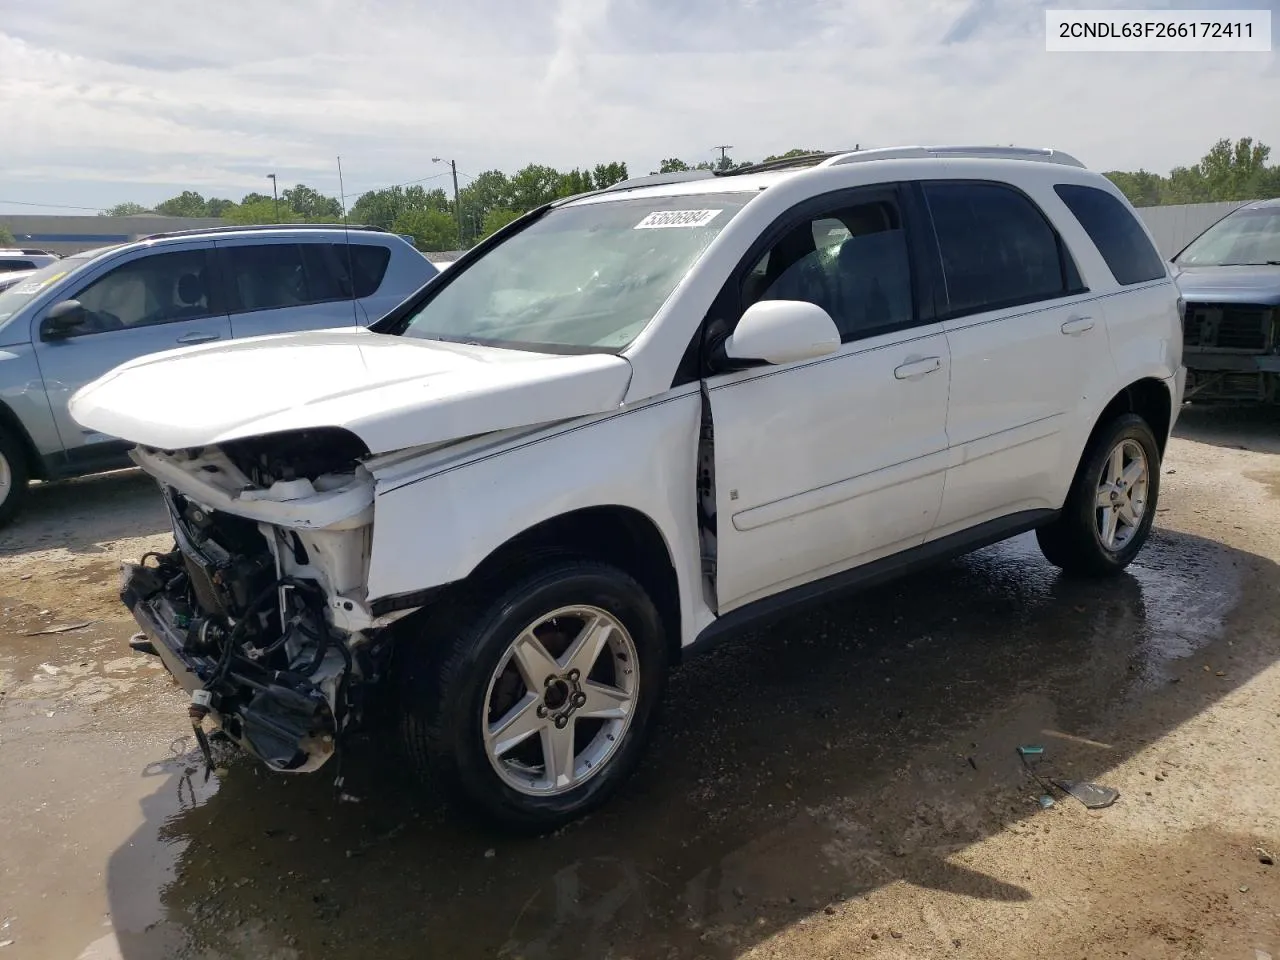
368, 266
1116, 233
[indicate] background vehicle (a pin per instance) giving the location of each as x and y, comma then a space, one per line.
79, 316
16, 260
13, 278
630, 422
1230, 278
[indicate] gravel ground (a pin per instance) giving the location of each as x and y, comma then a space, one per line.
842, 785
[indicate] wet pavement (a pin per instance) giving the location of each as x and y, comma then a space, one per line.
867, 744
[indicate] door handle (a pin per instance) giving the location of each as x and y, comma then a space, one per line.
917, 368
1077, 325
198, 337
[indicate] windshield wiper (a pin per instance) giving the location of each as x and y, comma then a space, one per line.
1252, 263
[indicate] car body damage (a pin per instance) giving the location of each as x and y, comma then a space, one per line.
262, 609
394, 393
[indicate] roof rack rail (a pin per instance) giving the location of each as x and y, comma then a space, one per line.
1041, 154
657, 179
782, 163
265, 226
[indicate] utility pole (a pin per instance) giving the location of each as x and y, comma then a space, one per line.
724, 148
457, 203
274, 196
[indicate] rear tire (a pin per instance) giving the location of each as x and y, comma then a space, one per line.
481, 704
1112, 502
14, 476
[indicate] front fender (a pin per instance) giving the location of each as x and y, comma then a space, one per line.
438, 527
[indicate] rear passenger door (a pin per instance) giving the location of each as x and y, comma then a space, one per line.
1023, 338
284, 286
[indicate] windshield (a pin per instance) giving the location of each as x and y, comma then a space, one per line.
16, 297
583, 277
1244, 237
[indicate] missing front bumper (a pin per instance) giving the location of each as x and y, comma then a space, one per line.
284, 720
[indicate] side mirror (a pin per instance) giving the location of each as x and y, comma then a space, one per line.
783, 331
62, 319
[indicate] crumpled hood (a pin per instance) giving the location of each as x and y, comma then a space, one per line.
1244, 284
392, 392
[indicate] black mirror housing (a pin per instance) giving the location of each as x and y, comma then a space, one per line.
62, 319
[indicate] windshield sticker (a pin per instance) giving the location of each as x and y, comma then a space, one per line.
35, 286
677, 218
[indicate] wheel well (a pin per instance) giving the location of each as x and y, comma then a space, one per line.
618, 535
1148, 398
11, 425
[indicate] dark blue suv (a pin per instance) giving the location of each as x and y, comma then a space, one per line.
1230, 279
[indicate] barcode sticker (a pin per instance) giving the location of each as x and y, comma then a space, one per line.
677, 218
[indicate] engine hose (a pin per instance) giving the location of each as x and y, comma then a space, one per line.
228, 647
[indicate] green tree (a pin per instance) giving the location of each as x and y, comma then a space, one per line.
432, 230
260, 211
128, 209
793, 152
311, 204
490, 191
576, 181
381, 208
255, 197
6, 237
1234, 171
496, 219
673, 165
607, 174
218, 207
186, 204
1144, 189
1229, 171
534, 185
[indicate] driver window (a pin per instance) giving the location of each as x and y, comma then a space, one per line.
852, 262
163, 288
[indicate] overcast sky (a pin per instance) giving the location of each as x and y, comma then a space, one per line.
103, 101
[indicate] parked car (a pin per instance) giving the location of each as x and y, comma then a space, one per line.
77, 317
1230, 277
13, 278
15, 260
633, 421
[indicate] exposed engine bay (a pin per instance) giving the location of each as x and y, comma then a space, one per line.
258, 621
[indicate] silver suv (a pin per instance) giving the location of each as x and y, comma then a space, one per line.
79, 316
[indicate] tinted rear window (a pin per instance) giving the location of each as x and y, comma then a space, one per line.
369, 264
1115, 232
272, 275
998, 249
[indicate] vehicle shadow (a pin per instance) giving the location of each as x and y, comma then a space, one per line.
79, 515
1234, 427
839, 751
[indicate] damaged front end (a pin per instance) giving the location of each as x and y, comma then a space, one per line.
258, 611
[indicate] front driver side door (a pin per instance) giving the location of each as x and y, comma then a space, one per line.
149, 303
827, 464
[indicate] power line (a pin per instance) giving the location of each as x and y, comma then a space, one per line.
407, 183
56, 206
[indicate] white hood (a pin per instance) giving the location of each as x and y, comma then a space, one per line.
392, 392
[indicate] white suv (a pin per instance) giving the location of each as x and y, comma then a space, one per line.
634, 420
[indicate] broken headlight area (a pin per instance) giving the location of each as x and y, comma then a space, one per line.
251, 644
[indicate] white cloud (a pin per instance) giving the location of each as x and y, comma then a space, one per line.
214, 96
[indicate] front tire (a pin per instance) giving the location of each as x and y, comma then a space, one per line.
534, 708
14, 476
1112, 502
